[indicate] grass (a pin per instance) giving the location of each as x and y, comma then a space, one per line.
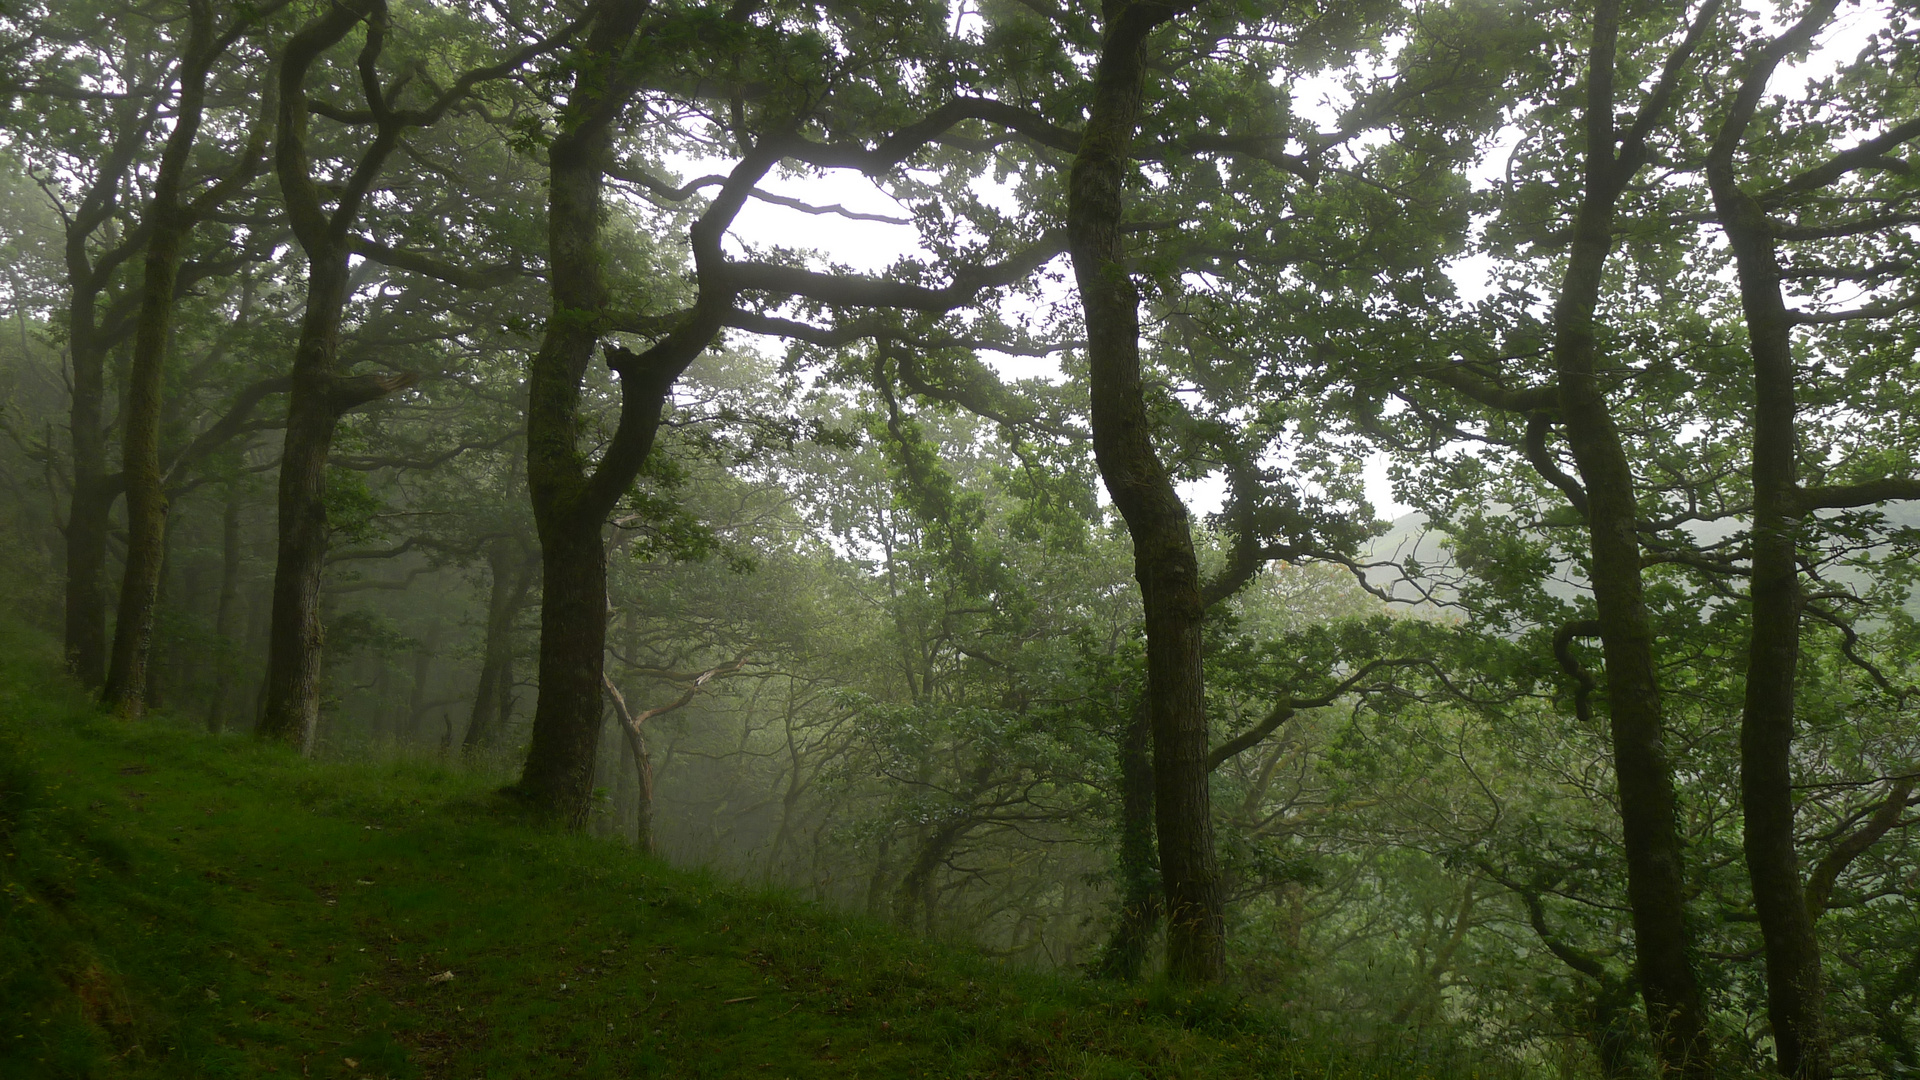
176, 904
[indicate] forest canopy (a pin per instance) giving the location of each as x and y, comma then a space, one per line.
932, 456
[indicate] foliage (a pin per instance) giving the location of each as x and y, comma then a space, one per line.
146, 937
868, 557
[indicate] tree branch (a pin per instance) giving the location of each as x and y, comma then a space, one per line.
463, 277
1850, 496
1821, 880
1863, 156
233, 423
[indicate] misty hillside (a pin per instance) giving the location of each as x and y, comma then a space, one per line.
179, 905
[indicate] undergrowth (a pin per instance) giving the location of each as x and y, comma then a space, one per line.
179, 904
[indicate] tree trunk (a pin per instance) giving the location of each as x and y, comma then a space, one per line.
1141, 488
570, 502
1610, 1028
87, 516
1431, 984
879, 883
510, 569
418, 703
1649, 817
226, 613
171, 222
1796, 997
796, 787
558, 774
319, 396
164, 666
643, 792
296, 637
87, 345
915, 904
503, 690
1138, 917
1899, 1056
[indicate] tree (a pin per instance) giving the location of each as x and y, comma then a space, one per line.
1163, 550
87, 164
1605, 496
170, 219
320, 393
1795, 984
572, 496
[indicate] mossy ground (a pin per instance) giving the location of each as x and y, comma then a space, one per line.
176, 904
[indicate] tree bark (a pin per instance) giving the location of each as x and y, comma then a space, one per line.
557, 777
511, 577
1796, 1006
916, 897
1608, 1021
296, 636
558, 773
88, 341
1656, 882
1141, 488
170, 223
418, 703
167, 667
1138, 916
1656, 885
226, 613
1796, 995
92, 503
1431, 983
879, 883
571, 498
319, 396
634, 724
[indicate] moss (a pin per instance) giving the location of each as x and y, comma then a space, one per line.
180, 904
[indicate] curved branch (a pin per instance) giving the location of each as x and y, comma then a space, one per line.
855, 290
1820, 882
1284, 710
1527, 400
1852, 496
1539, 424
233, 423
463, 277
1582, 678
347, 393
1866, 155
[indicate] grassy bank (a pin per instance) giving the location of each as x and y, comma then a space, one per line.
176, 904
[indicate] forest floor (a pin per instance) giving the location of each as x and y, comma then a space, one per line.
179, 904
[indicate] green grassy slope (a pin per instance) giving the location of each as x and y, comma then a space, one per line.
173, 904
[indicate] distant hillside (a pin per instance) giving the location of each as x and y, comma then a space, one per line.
1410, 536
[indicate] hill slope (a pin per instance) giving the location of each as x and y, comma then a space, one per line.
173, 904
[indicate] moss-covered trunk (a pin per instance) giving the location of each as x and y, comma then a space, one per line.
171, 222
1142, 489
1796, 995
1643, 773
319, 396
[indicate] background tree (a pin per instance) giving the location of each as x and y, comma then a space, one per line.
320, 394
